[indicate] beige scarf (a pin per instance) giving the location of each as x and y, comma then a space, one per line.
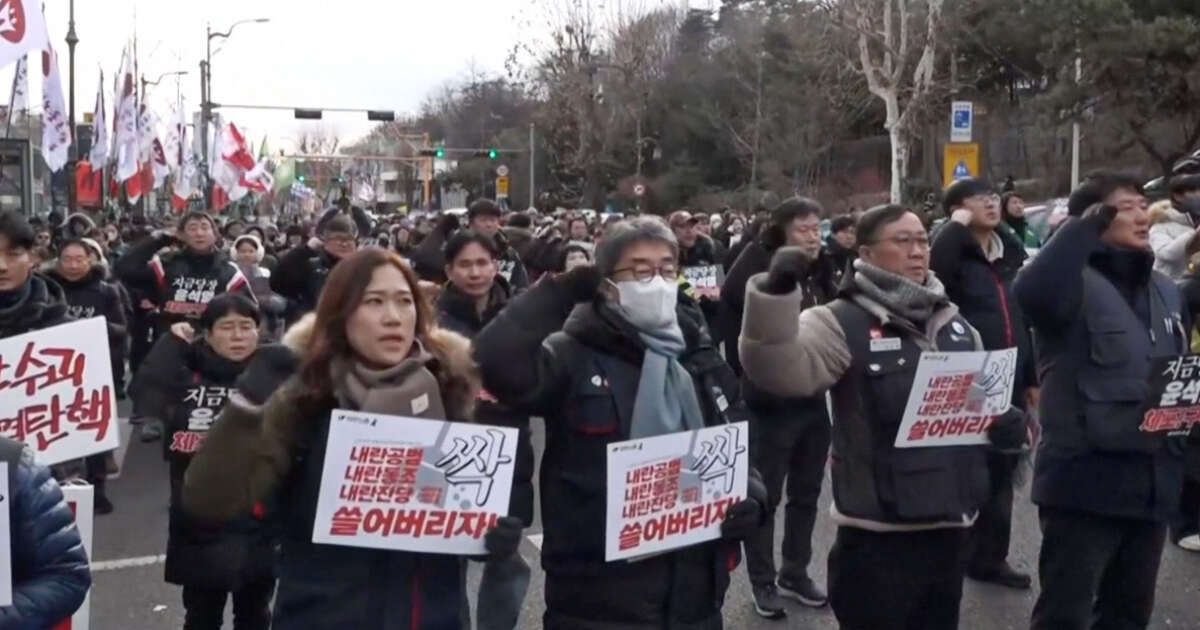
405, 389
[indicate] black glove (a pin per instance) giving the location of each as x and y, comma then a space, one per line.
1009, 432
746, 516
788, 266
581, 283
1099, 215
504, 539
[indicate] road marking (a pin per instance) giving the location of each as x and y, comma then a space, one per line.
128, 563
536, 539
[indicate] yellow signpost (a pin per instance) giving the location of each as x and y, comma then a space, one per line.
502, 186
960, 160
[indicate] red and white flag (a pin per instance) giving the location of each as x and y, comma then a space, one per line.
99, 153
125, 146
22, 30
231, 161
56, 128
183, 160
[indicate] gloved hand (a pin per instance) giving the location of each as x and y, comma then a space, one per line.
1009, 432
504, 539
788, 266
1100, 215
581, 283
746, 516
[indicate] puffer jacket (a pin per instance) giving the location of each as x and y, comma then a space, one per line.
579, 366
45, 306
50, 575
1170, 233
271, 445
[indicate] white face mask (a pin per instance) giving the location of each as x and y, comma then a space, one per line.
648, 305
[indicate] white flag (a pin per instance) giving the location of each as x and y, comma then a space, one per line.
22, 30
125, 144
228, 161
99, 153
20, 93
56, 128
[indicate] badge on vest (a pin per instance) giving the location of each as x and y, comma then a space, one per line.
885, 344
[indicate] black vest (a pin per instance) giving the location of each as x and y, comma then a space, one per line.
873, 480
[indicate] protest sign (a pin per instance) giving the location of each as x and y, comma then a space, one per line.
671, 491
56, 391
956, 396
79, 496
706, 280
5, 542
1174, 395
430, 486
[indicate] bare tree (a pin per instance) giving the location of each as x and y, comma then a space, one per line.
895, 51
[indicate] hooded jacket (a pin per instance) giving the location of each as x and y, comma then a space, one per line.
579, 367
45, 306
272, 445
1171, 231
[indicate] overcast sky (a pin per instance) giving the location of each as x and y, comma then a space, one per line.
376, 54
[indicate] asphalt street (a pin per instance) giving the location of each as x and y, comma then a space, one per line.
129, 592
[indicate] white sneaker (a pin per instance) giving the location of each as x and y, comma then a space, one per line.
1190, 543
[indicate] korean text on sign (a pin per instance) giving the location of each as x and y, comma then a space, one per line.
1174, 395
956, 396
706, 280
671, 491
56, 391
391, 482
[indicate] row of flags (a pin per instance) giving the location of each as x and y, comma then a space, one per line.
133, 153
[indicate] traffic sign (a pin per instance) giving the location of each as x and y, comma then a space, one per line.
960, 160
639, 189
962, 115
502, 186
502, 170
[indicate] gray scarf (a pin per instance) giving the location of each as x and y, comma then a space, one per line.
405, 389
912, 301
666, 397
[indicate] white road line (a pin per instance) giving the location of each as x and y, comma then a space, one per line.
127, 563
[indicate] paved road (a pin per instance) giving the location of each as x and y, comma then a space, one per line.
129, 591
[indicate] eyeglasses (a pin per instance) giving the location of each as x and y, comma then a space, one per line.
646, 273
907, 241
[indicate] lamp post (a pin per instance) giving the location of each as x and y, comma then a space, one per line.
72, 39
206, 91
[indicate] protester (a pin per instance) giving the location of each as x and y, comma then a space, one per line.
301, 272
1012, 209
185, 380
87, 295
902, 514
50, 574
696, 250
248, 252
604, 354
976, 261
28, 301
840, 247
371, 346
789, 436
1104, 488
1173, 234
575, 255
483, 216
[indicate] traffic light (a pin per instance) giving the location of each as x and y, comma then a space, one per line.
301, 178
441, 153
493, 154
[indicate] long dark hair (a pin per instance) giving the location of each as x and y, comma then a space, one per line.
341, 297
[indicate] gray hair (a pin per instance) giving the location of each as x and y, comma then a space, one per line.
621, 235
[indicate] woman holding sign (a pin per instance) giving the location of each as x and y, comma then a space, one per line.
372, 347
606, 354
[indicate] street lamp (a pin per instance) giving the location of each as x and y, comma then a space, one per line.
72, 39
206, 82
176, 73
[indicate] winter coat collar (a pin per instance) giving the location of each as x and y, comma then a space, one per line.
45, 306
461, 307
93, 278
596, 325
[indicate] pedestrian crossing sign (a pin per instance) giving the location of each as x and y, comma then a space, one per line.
961, 171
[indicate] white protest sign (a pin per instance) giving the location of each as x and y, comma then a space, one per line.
956, 396
5, 540
56, 391
671, 491
79, 497
430, 486
706, 280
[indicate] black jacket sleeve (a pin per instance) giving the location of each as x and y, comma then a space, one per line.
1050, 288
134, 266
517, 367
161, 376
946, 256
291, 274
114, 313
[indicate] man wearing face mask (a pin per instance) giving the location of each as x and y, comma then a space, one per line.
605, 354
1172, 237
1105, 484
903, 514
